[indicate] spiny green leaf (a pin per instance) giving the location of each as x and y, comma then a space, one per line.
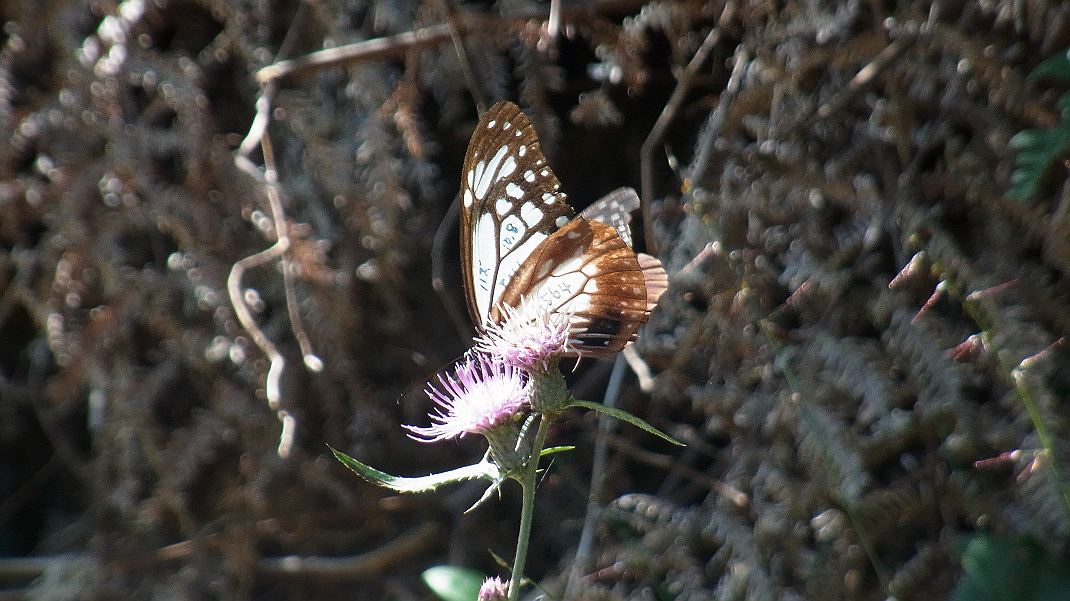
553, 450
484, 470
624, 416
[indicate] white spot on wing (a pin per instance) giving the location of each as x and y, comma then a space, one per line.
484, 255
561, 221
502, 206
475, 175
506, 125
492, 123
468, 198
514, 190
508, 167
486, 176
523, 150
529, 175
547, 197
530, 214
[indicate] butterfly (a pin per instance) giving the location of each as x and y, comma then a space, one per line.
522, 243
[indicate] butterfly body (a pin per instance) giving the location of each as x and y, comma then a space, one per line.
521, 243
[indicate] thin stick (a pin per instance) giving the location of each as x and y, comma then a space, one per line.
668, 113
269, 178
438, 280
865, 76
375, 562
455, 25
598, 469
374, 49
700, 163
398, 45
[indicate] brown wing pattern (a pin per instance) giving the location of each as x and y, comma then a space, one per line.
510, 204
586, 270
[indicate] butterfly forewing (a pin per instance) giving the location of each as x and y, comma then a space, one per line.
510, 205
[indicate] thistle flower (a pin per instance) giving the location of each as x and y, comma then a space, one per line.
483, 395
529, 337
493, 589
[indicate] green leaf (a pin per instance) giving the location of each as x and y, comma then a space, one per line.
1056, 67
624, 416
483, 469
451, 583
1010, 569
1039, 151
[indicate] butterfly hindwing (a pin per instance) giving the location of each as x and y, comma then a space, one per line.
510, 204
615, 209
587, 271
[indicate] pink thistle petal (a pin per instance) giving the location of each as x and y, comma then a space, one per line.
530, 337
484, 394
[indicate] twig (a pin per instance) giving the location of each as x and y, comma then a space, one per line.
732, 494
865, 76
374, 562
385, 47
399, 44
438, 280
455, 25
598, 471
269, 178
641, 369
657, 132
709, 249
29, 568
365, 565
700, 163
551, 30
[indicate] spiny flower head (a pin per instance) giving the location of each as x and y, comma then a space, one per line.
494, 589
481, 395
529, 337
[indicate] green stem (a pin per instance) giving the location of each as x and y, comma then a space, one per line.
1041, 427
527, 510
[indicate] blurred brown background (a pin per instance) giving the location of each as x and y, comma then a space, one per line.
808, 155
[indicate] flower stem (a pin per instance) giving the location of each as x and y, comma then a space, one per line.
527, 510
